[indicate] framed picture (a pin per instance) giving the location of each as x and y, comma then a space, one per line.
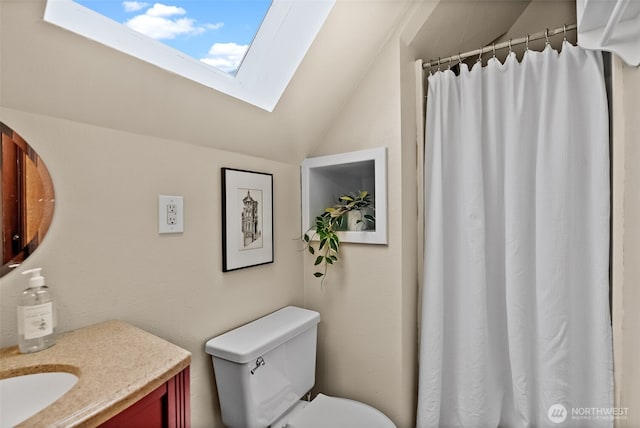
247, 219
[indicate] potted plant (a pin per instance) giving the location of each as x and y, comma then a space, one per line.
333, 219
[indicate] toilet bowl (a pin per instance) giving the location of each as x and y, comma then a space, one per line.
334, 412
265, 367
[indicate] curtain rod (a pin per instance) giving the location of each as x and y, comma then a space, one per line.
492, 48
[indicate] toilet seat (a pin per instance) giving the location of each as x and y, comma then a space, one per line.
324, 411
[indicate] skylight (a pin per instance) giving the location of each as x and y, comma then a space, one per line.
216, 32
173, 35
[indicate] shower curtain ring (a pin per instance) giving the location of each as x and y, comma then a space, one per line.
494, 50
510, 46
480, 56
546, 36
459, 58
526, 46
438, 63
564, 30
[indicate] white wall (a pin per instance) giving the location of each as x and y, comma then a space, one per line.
103, 256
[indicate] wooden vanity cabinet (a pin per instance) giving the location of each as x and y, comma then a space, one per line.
165, 407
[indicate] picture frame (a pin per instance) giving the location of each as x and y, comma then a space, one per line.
247, 219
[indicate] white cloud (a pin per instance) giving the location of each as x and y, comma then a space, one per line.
167, 22
133, 6
162, 28
159, 9
226, 56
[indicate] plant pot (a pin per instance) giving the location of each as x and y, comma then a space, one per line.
357, 222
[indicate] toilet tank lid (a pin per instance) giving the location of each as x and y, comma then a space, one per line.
258, 337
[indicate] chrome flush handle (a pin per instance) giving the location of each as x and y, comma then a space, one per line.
259, 363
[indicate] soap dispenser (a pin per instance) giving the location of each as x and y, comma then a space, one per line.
36, 315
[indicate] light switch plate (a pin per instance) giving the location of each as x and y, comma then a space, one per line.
170, 214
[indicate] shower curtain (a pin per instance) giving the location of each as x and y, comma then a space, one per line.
515, 328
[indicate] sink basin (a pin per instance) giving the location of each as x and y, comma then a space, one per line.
24, 396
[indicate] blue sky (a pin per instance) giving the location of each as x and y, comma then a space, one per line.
217, 32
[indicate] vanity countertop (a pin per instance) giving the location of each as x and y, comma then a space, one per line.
116, 363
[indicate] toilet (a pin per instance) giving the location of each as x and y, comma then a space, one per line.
265, 367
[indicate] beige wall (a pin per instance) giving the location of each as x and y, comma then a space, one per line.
626, 239
631, 325
50, 71
367, 336
103, 256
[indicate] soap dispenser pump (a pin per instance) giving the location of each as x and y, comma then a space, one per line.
36, 315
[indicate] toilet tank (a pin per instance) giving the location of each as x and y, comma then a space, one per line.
264, 367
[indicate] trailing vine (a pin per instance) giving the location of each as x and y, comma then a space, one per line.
326, 228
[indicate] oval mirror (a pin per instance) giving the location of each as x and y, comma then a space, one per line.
27, 199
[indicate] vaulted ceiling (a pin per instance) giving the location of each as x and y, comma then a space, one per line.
49, 71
